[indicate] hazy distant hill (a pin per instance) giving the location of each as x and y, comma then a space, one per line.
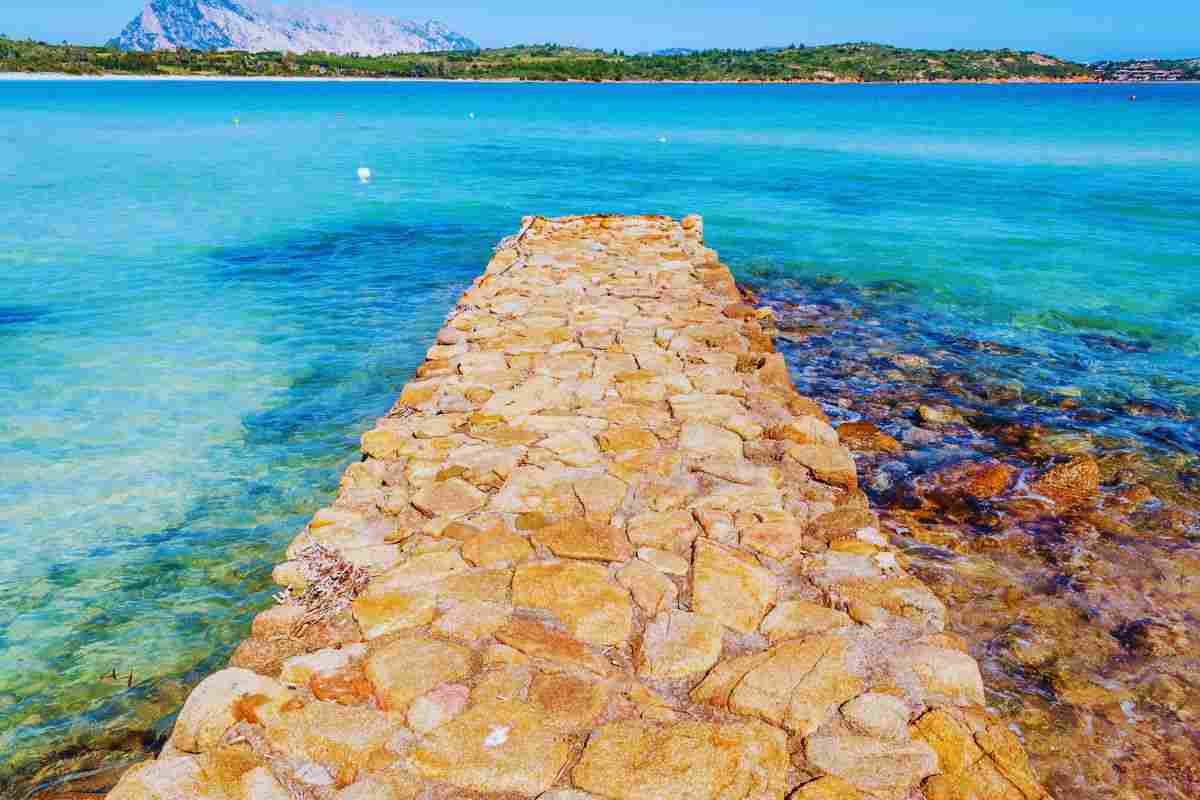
255, 26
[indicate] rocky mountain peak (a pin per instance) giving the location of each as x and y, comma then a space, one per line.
259, 26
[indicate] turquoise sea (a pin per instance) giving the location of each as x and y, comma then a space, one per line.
198, 316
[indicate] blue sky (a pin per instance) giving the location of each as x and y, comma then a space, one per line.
1080, 29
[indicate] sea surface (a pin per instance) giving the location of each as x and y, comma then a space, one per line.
202, 307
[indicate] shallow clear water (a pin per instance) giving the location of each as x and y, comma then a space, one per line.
198, 318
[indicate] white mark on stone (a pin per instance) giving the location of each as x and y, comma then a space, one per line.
314, 775
886, 561
497, 736
872, 536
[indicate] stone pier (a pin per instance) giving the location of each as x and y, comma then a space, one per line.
600, 548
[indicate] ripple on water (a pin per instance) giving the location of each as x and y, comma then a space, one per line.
225, 309
1085, 617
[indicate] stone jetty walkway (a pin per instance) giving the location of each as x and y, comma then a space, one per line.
600, 548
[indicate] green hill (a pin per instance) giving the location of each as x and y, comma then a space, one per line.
832, 63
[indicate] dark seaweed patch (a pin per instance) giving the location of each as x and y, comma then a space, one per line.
1099, 341
20, 315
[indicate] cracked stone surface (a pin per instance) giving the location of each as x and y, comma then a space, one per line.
612, 555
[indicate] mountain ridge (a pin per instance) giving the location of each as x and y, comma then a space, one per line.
255, 26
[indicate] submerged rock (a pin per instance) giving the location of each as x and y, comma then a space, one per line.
866, 436
1075, 482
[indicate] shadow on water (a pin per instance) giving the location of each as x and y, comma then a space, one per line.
356, 307
12, 316
366, 250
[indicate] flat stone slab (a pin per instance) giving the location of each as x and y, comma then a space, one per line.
600, 549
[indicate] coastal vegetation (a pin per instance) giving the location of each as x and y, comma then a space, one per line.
853, 62
1150, 69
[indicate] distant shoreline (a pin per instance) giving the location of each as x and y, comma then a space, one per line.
46, 76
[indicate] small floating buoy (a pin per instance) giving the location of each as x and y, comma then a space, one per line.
471, 115
1133, 98
364, 174
662, 140
237, 120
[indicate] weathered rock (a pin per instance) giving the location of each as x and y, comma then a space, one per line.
799, 685
409, 667
739, 470
299, 670
636, 761
567, 702
578, 538
982, 480
438, 707
341, 738
622, 438
472, 621
872, 765
673, 531
594, 608
529, 488
217, 703
1069, 484
730, 586
805, 430
175, 778
651, 590
826, 788
260, 784
827, 463
779, 540
841, 523
481, 586
601, 495
663, 561
371, 788
867, 437
880, 715
491, 548
381, 610
721, 410
938, 415
950, 738
574, 448
540, 642
454, 496
567, 794
493, 747
988, 764
419, 571
793, 619
948, 676
677, 644
702, 440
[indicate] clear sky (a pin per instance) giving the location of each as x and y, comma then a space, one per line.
1078, 29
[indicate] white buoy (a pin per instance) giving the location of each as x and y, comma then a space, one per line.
364, 174
471, 115
662, 140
